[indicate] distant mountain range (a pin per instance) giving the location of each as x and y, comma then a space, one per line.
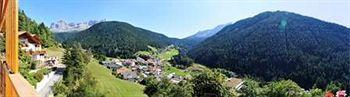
63, 26
201, 35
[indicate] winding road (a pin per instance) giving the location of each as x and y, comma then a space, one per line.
44, 88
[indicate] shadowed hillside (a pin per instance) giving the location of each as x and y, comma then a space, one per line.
274, 45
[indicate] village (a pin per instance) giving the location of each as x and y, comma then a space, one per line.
147, 64
137, 69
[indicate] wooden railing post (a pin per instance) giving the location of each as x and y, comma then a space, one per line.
11, 30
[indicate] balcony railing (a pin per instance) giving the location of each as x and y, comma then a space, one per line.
7, 87
14, 85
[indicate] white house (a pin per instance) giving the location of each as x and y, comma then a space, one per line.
31, 44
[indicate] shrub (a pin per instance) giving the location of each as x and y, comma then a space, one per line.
33, 64
39, 76
181, 61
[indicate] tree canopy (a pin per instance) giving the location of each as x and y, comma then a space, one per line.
27, 24
76, 81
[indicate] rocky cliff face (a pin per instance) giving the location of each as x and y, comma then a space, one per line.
63, 26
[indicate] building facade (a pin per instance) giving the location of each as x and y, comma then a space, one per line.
32, 45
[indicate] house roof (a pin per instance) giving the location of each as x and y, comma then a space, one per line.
32, 38
129, 75
329, 94
122, 70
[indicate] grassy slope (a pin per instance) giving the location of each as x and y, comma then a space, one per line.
55, 52
170, 69
166, 56
112, 86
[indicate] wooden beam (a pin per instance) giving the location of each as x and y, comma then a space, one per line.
11, 30
2, 13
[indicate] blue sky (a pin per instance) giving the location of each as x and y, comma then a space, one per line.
179, 18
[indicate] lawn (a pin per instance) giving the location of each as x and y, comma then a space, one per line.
192, 70
112, 86
170, 69
167, 55
55, 52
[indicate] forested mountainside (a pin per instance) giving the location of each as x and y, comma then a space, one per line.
281, 45
27, 24
119, 39
64, 36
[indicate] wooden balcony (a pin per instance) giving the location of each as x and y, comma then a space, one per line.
15, 85
12, 83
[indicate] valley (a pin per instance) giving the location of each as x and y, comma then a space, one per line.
289, 49
174, 48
